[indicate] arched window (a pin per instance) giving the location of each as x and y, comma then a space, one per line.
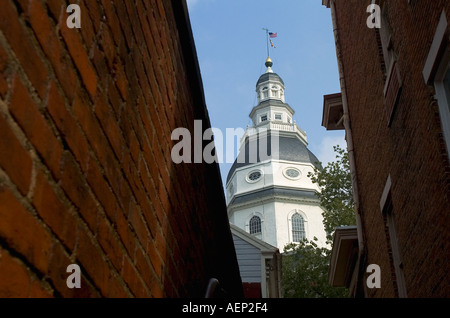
298, 228
274, 91
265, 92
255, 225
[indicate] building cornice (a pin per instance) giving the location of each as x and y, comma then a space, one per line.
272, 194
271, 102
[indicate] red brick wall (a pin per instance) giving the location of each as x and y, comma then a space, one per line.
86, 175
411, 150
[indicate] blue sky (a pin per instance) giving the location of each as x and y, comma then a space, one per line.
231, 49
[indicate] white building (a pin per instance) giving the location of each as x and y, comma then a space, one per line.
269, 194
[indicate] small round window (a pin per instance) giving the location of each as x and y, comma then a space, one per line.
254, 176
292, 173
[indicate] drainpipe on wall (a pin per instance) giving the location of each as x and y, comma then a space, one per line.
351, 155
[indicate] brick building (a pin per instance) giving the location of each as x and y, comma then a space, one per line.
86, 174
394, 107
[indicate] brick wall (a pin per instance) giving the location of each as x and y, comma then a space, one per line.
411, 150
86, 175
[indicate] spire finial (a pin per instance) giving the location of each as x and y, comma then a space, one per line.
269, 64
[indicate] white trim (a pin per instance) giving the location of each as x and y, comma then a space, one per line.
443, 99
255, 166
262, 163
232, 207
289, 177
264, 247
384, 195
275, 116
388, 76
247, 225
247, 177
439, 40
435, 69
341, 272
262, 115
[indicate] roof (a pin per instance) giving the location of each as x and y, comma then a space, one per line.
252, 240
343, 256
332, 117
269, 76
290, 149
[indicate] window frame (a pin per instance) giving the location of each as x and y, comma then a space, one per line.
286, 175
386, 40
261, 175
261, 118
297, 217
395, 259
274, 91
442, 97
434, 71
252, 226
264, 93
290, 225
392, 78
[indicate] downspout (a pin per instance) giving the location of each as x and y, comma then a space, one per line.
350, 149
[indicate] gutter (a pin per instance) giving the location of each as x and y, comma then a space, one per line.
350, 149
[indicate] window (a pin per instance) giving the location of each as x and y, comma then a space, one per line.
263, 118
255, 225
437, 72
391, 74
278, 117
274, 91
298, 228
446, 85
292, 173
254, 176
393, 247
386, 40
289, 120
265, 92
442, 85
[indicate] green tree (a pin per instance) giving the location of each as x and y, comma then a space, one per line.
305, 265
335, 195
305, 272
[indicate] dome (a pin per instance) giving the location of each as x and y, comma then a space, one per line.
269, 77
290, 149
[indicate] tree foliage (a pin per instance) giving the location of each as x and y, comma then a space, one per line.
305, 265
305, 272
335, 193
